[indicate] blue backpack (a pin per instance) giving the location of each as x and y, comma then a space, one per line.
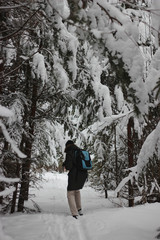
83, 160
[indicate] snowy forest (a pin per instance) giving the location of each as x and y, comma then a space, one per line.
86, 70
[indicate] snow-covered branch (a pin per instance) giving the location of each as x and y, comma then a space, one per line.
99, 126
7, 191
148, 148
147, 151
126, 179
8, 180
39, 67
13, 145
61, 7
5, 112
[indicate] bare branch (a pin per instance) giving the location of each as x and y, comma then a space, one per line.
112, 18
11, 7
21, 28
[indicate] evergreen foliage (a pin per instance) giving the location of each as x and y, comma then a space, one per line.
80, 74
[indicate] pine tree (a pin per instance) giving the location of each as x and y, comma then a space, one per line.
80, 75
41, 90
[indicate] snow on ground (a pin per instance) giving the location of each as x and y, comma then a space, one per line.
102, 219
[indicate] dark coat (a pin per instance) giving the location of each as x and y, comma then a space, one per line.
76, 178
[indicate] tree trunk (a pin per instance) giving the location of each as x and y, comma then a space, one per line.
24, 189
14, 198
130, 129
106, 187
1, 189
1, 73
2, 184
116, 157
106, 194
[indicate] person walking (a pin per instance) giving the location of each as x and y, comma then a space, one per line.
76, 179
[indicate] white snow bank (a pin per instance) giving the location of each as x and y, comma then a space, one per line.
101, 220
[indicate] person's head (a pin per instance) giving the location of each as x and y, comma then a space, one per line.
69, 145
69, 142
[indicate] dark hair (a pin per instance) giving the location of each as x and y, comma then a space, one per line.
69, 142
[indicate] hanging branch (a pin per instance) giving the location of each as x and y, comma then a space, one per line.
8, 138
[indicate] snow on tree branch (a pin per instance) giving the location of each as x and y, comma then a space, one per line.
7, 191
99, 126
151, 143
156, 20
148, 148
13, 145
60, 6
39, 67
125, 42
154, 73
5, 112
126, 179
8, 180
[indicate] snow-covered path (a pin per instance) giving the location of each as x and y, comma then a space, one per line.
102, 220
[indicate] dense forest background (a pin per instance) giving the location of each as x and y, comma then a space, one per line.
87, 71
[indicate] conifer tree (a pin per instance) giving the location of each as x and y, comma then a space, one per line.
77, 73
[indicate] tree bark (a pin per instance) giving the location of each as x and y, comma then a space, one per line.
14, 198
24, 189
116, 156
106, 194
130, 129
